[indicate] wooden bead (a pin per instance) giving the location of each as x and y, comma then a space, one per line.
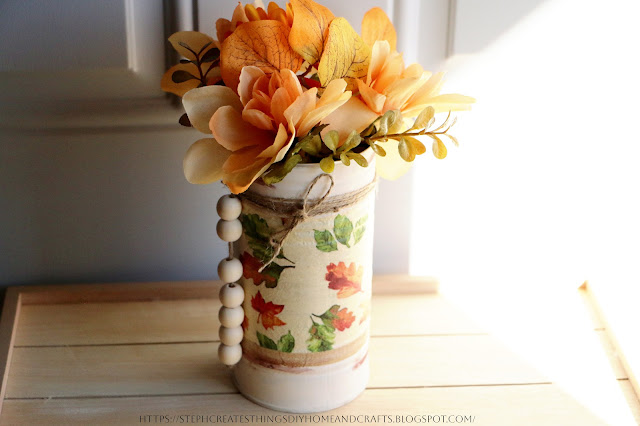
230, 270
231, 317
229, 207
229, 230
231, 336
229, 355
231, 295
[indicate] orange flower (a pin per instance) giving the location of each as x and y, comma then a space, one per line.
347, 281
251, 13
255, 130
389, 86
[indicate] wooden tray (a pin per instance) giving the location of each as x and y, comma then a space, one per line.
134, 353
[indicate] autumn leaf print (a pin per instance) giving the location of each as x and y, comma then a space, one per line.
347, 281
270, 275
344, 319
337, 318
267, 312
321, 337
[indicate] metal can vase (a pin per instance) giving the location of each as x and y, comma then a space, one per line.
306, 325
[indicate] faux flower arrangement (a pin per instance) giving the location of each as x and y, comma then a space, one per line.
281, 87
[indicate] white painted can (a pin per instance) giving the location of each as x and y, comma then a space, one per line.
306, 320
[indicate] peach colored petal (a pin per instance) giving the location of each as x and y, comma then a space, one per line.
242, 159
429, 89
301, 107
334, 90
232, 132
373, 99
257, 118
201, 103
240, 181
391, 70
323, 109
416, 70
353, 115
400, 91
280, 101
281, 143
203, 161
379, 54
291, 83
239, 15
248, 77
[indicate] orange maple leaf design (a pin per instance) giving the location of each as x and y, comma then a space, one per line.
245, 323
250, 267
344, 319
347, 281
267, 311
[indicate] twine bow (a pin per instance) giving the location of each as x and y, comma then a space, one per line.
300, 213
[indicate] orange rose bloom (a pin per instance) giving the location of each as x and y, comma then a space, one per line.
255, 130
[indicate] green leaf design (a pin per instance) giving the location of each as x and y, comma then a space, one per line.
274, 270
362, 220
321, 338
286, 343
266, 342
325, 241
357, 234
255, 227
329, 315
342, 228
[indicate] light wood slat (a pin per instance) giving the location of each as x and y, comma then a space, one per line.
446, 361
180, 368
8, 326
418, 315
632, 399
192, 368
197, 320
525, 405
128, 322
612, 355
616, 302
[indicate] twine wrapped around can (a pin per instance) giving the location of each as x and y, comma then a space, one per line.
306, 251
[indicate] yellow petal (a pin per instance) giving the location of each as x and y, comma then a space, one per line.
232, 132
203, 161
309, 30
428, 90
376, 25
169, 85
201, 103
317, 115
391, 166
345, 55
353, 115
248, 77
195, 40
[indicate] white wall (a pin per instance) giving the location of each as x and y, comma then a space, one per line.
543, 192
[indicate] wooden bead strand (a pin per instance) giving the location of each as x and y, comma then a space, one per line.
231, 315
